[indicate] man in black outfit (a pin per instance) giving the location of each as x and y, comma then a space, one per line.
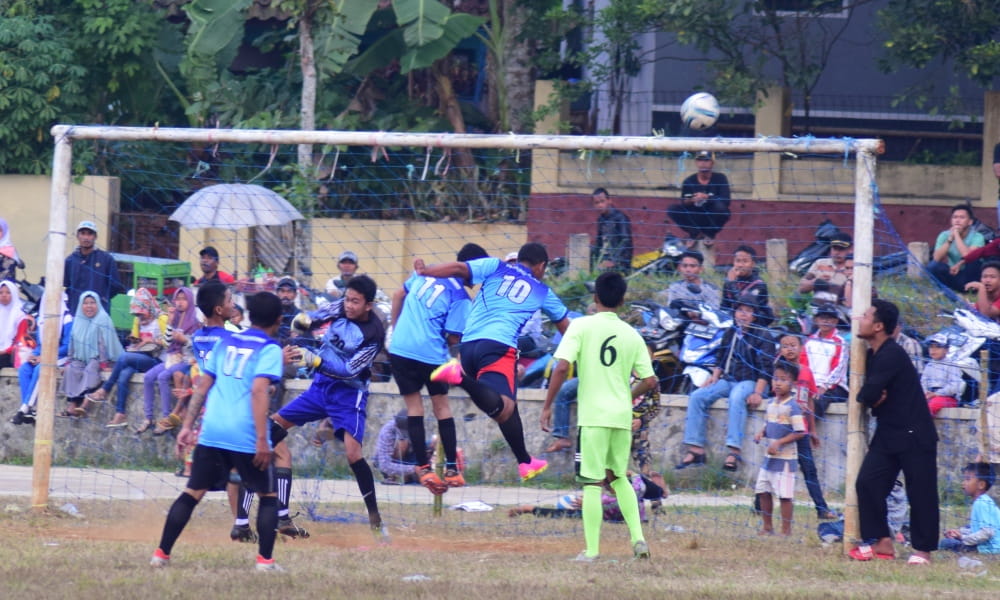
905, 439
704, 206
613, 248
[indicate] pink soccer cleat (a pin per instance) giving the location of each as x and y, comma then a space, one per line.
529, 470
450, 373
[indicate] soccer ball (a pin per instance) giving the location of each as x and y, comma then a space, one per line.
700, 111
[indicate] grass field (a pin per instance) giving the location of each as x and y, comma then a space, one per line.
104, 553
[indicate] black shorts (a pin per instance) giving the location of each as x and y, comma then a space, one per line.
412, 375
209, 466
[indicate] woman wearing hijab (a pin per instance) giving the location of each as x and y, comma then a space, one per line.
9, 260
92, 341
141, 355
28, 372
176, 359
13, 325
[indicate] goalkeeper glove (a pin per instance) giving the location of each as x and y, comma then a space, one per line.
308, 358
302, 322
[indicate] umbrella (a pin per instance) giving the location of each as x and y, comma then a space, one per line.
234, 206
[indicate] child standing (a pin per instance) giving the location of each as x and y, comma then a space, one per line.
981, 534
783, 427
941, 380
790, 349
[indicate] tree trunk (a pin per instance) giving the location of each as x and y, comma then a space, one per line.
301, 255
453, 112
519, 74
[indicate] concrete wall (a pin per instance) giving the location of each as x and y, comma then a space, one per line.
80, 441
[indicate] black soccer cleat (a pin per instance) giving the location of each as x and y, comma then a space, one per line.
288, 528
242, 533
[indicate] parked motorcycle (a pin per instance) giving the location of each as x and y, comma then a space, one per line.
659, 262
888, 264
699, 349
661, 328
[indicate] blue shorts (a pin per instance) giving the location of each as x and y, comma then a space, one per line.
345, 405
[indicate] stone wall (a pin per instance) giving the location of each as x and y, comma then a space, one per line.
81, 441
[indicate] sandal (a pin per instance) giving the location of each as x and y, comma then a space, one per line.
734, 464
98, 396
916, 559
865, 553
145, 426
166, 424
690, 459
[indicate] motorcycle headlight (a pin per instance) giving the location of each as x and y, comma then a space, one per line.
667, 320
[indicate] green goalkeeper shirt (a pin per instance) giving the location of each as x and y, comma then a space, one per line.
606, 350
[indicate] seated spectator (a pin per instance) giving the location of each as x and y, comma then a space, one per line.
941, 380
987, 302
560, 416
743, 281
742, 375
644, 410
982, 533
236, 320
348, 266
13, 324
612, 250
832, 270
208, 259
826, 356
29, 371
704, 206
93, 342
911, 347
690, 267
146, 341
176, 358
394, 456
952, 246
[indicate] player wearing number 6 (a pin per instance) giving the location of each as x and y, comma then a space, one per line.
509, 296
429, 315
607, 351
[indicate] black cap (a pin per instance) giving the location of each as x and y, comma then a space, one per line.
842, 240
288, 282
750, 300
703, 155
827, 310
210, 251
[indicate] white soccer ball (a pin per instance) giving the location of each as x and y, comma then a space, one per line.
700, 111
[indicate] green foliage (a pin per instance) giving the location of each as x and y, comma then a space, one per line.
40, 82
214, 36
962, 31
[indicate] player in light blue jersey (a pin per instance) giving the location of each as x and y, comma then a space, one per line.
429, 315
340, 386
236, 382
510, 294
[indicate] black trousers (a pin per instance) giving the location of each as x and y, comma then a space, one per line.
700, 221
882, 464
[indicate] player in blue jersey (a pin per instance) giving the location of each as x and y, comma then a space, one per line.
510, 294
234, 433
340, 387
429, 315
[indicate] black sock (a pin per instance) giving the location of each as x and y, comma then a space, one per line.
446, 429
484, 397
366, 484
244, 499
513, 432
283, 483
177, 518
415, 427
267, 525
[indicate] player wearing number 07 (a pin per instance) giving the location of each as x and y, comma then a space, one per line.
236, 380
510, 294
429, 315
607, 351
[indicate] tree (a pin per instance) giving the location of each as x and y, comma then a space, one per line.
962, 33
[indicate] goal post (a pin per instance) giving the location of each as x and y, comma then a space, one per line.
862, 151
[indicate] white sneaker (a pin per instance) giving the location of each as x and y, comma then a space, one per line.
159, 560
582, 557
269, 565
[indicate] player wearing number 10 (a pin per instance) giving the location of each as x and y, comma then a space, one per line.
429, 315
509, 296
607, 351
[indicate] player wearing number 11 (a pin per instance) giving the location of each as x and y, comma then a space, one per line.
509, 296
607, 351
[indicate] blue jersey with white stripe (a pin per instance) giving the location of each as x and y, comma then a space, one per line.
432, 309
509, 296
349, 347
235, 362
203, 340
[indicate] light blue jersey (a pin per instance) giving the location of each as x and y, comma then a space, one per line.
433, 309
509, 296
203, 340
234, 363
986, 514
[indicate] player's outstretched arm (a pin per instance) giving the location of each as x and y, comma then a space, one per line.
442, 270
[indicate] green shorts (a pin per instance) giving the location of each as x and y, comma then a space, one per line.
603, 449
